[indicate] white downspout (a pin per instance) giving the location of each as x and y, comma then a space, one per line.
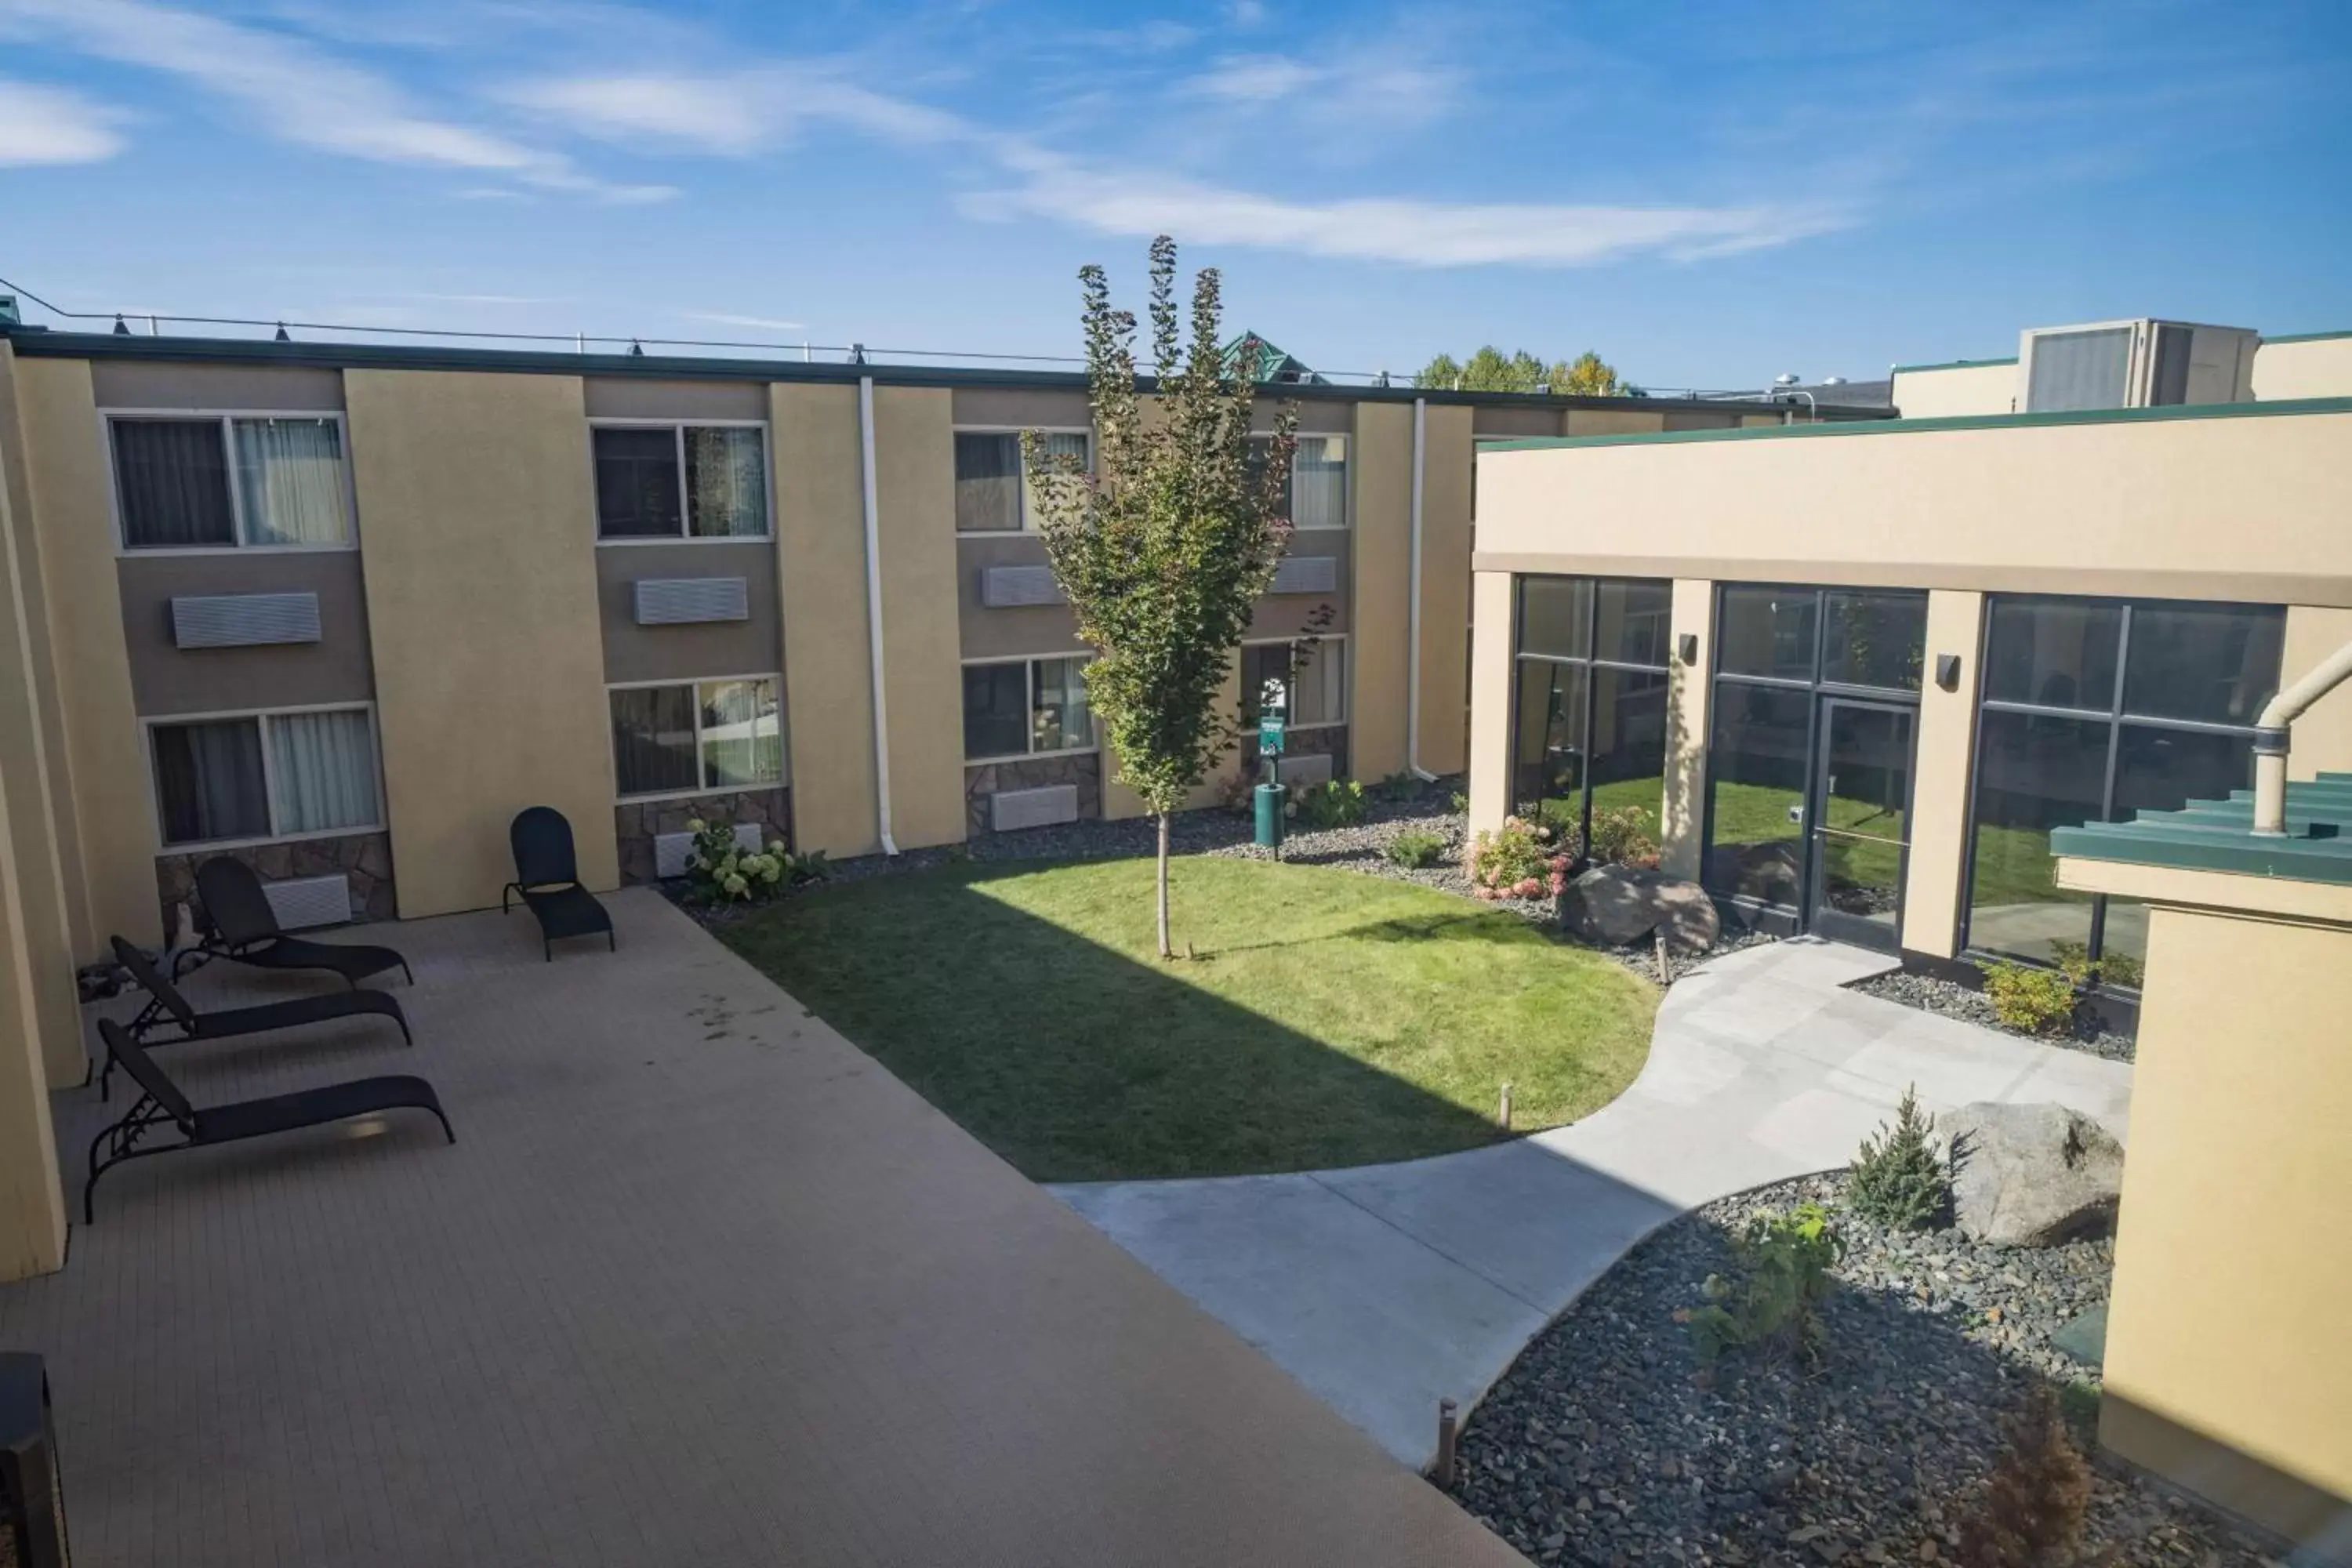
2270, 738
1413, 605
873, 610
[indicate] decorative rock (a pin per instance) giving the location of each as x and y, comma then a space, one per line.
2033, 1175
1619, 904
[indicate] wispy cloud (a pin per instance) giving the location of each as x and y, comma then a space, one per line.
52, 125
1410, 232
304, 94
732, 114
724, 319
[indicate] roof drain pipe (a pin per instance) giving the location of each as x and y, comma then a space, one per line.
873, 610
1413, 605
2270, 738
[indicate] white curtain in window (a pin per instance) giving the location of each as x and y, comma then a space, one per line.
726, 482
1319, 482
323, 768
289, 478
1319, 684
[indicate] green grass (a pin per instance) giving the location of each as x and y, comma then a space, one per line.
1326, 1018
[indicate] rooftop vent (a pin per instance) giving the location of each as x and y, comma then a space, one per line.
2135, 364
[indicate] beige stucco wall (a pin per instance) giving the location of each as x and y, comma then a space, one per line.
1942, 391
1379, 474
478, 525
2237, 506
31, 1208
1490, 700
1932, 891
1690, 690
112, 802
2225, 1369
1447, 453
2322, 738
821, 559
1613, 422
2315, 367
914, 444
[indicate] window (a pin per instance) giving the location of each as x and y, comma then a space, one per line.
696, 738
1022, 708
2095, 710
1589, 719
993, 493
265, 775
1316, 494
1314, 677
232, 482
681, 481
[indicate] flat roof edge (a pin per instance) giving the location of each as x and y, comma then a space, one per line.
2290, 406
38, 342
1951, 364
2308, 337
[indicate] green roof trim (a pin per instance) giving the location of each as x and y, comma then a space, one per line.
1951, 364
2287, 406
2308, 337
2218, 835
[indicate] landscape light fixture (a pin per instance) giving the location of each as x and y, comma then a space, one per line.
1947, 672
1687, 645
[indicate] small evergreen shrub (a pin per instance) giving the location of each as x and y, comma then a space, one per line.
1338, 802
1900, 1177
1458, 803
1415, 850
2029, 1513
1773, 1304
1517, 861
2037, 1001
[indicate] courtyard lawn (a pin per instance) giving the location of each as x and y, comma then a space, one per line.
1324, 1017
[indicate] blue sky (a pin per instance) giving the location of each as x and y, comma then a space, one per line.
1709, 195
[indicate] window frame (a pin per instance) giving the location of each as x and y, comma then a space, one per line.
1290, 487
2115, 716
227, 419
1589, 662
686, 534
1028, 526
1347, 676
695, 684
1029, 661
149, 724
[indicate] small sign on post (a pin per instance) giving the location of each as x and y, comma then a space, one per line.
1274, 706
1273, 702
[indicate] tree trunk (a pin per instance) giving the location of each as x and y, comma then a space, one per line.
1166, 951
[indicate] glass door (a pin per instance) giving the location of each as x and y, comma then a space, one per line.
1860, 821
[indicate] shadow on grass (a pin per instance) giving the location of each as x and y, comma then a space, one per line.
1059, 1044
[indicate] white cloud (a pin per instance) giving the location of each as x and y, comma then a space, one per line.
1414, 233
1252, 78
732, 114
52, 125
304, 94
723, 318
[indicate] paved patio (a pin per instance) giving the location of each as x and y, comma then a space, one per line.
698, 1284
1386, 1287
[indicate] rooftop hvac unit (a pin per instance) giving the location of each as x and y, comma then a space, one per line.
2135, 364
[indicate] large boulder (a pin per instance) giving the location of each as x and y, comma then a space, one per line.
1614, 905
2033, 1175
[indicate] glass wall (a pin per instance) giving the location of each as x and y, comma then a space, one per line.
1776, 648
1589, 729
2095, 710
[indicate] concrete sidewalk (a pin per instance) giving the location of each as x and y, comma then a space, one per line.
1385, 1288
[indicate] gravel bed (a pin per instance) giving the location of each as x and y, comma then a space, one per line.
1606, 1446
1953, 1000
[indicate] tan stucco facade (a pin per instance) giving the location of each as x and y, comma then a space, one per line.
1447, 456
1933, 894
489, 679
1493, 625
1682, 814
923, 690
1379, 474
1941, 391
2318, 366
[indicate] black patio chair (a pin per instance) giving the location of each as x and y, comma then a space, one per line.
161, 1104
547, 878
240, 926
166, 1005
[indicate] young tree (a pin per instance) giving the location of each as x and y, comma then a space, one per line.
1163, 550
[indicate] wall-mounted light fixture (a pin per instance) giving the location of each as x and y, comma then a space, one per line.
1947, 672
1687, 645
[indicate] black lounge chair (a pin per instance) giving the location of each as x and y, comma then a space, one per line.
547, 878
161, 1104
166, 1005
240, 926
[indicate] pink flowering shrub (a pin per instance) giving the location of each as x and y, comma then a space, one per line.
1523, 860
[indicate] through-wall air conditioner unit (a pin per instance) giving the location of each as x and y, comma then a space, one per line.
2135, 364
301, 902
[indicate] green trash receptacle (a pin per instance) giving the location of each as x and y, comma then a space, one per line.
1271, 798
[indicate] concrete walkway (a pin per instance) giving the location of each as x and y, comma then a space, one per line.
1385, 1288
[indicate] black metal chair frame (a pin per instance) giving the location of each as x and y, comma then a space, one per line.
547, 879
161, 1104
260, 942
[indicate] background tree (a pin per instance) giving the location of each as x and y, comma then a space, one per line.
1164, 549
1490, 370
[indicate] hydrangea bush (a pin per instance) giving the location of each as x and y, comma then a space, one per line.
1521, 860
722, 871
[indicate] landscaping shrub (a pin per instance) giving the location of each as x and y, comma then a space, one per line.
1519, 861
2029, 1513
1773, 1305
2115, 969
1339, 802
1458, 803
1621, 836
1396, 787
1900, 1177
2037, 1001
722, 871
1415, 850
